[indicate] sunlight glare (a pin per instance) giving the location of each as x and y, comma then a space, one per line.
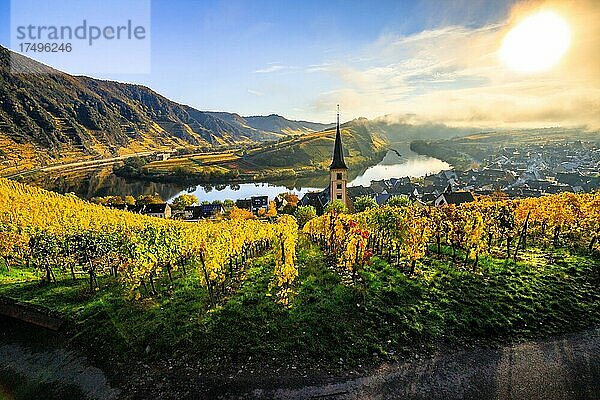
536, 43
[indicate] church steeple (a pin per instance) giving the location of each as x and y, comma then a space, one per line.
338, 172
338, 152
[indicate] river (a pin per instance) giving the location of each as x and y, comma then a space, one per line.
399, 162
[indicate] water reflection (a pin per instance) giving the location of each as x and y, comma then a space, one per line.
244, 190
401, 162
102, 182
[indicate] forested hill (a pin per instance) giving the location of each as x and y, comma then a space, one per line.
53, 116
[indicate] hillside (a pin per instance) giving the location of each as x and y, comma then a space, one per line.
52, 116
269, 126
363, 142
278, 124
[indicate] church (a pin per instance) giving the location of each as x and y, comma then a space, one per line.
338, 179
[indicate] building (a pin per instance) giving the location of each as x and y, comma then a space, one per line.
259, 202
338, 171
338, 180
453, 198
195, 213
316, 199
211, 210
162, 156
160, 210
192, 213
244, 204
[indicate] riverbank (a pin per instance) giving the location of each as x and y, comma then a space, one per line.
226, 171
459, 160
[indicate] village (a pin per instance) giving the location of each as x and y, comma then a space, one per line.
531, 170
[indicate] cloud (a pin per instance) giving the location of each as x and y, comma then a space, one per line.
453, 75
255, 92
324, 67
274, 67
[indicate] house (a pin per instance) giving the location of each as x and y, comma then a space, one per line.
280, 201
137, 209
526, 192
382, 198
259, 202
357, 191
379, 186
123, 206
160, 210
427, 198
453, 198
405, 180
192, 213
162, 156
245, 204
316, 199
448, 175
211, 210
407, 189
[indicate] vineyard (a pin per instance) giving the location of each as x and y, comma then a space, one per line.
55, 233
405, 235
342, 291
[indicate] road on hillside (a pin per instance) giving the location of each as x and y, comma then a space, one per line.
78, 164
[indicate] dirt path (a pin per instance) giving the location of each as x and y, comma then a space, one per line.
566, 367
562, 368
36, 364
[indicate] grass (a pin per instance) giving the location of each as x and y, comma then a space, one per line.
330, 324
16, 274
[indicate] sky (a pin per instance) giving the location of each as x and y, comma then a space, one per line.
415, 61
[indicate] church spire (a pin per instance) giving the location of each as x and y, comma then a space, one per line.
338, 152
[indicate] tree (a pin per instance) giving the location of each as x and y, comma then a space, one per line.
499, 195
184, 200
98, 200
131, 166
272, 209
291, 199
228, 203
149, 199
364, 203
115, 200
398, 201
12, 247
240, 213
336, 206
304, 214
135, 162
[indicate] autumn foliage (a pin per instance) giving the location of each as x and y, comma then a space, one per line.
61, 233
491, 225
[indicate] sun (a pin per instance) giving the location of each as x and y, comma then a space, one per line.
536, 43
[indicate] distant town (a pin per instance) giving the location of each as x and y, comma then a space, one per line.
530, 170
